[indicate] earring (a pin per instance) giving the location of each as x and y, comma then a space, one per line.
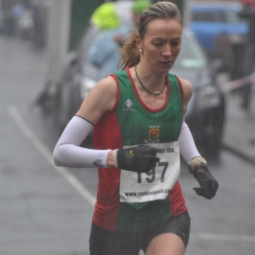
140, 50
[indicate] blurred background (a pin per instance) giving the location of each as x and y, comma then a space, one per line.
46, 70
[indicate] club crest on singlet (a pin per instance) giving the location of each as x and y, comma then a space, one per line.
153, 135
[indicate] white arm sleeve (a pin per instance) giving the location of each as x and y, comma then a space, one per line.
68, 152
187, 145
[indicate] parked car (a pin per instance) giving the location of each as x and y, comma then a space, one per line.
218, 27
206, 111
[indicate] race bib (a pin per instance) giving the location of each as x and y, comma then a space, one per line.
156, 184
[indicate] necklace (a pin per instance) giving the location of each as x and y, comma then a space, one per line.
155, 93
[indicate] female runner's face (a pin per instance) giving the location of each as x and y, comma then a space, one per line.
161, 44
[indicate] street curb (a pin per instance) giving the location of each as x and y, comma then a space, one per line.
238, 153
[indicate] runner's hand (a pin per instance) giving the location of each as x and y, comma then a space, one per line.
137, 159
206, 181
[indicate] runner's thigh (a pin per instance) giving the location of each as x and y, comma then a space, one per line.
178, 230
166, 244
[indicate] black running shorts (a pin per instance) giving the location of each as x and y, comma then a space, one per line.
106, 242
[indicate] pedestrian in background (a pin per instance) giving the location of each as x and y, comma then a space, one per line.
248, 60
139, 133
104, 52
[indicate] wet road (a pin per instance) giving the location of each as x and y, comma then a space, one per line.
47, 210
40, 212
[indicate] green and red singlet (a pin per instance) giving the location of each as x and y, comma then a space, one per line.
130, 201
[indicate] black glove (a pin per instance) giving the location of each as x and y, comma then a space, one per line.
137, 159
206, 181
